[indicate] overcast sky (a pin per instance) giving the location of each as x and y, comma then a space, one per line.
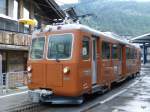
61, 2
139, 0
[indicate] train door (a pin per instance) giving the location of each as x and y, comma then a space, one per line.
124, 67
120, 59
116, 60
94, 61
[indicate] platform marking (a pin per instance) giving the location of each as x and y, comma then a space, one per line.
9, 95
117, 94
133, 84
112, 97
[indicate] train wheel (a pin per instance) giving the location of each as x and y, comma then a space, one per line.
109, 86
133, 76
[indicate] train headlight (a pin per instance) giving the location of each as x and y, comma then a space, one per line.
66, 70
29, 68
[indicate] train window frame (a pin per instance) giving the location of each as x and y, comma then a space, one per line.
43, 48
87, 57
72, 47
112, 51
102, 54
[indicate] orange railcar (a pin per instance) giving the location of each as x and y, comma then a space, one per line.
69, 61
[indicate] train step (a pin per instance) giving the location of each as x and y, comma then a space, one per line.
99, 89
121, 80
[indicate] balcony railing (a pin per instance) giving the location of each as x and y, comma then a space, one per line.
13, 38
12, 81
13, 33
12, 25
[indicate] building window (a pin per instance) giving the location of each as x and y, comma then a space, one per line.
105, 50
26, 16
26, 13
3, 7
26, 8
85, 48
114, 51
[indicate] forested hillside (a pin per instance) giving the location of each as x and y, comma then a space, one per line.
126, 18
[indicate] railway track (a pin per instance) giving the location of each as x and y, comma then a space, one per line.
27, 107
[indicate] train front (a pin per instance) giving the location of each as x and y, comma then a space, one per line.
52, 68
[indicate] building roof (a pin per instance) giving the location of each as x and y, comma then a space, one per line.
141, 39
50, 9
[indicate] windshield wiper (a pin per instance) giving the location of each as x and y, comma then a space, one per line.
57, 57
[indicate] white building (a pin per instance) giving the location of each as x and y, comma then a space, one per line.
14, 37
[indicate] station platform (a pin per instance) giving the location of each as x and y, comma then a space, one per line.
135, 98
12, 100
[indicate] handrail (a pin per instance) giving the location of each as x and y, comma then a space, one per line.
12, 26
16, 72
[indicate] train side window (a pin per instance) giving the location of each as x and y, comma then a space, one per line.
120, 52
127, 53
85, 48
132, 53
114, 51
105, 50
135, 54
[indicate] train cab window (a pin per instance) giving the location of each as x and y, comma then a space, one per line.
114, 51
37, 48
105, 50
85, 48
59, 46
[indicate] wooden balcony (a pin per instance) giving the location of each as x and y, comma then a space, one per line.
13, 40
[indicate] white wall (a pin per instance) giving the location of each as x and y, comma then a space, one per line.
2, 6
10, 8
15, 10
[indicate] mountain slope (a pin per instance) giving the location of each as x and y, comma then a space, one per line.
126, 18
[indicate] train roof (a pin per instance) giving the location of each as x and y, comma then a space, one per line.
72, 27
87, 29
